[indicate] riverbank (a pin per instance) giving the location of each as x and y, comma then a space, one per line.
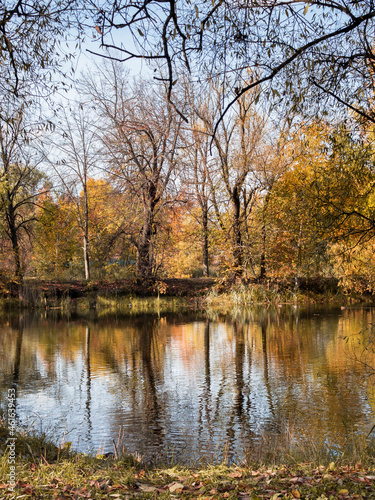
136, 296
43, 470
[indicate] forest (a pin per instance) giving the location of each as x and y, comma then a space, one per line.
220, 162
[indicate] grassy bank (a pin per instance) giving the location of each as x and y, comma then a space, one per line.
170, 295
43, 470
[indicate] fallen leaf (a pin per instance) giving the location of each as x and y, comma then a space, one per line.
275, 496
235, 474
117, 487
258, 479
146, 488
328, 477
344, 492
296, 494
175, 487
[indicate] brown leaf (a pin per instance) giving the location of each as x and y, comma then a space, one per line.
147, 488
258, 479
117, 487
235, 474
175, 487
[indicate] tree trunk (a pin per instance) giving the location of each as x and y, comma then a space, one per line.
86, 257
15, 243
263, 271
206, 271
144, 260
262, 274
298, 257
86, 234
237, 237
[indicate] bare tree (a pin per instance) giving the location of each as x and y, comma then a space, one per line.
199, 152
141, 145
72, 152
238, 145
296, 50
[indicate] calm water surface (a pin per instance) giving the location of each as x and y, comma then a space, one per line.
187, 385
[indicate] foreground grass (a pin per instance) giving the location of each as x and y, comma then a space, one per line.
46, 471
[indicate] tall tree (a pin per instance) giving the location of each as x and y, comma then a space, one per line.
73, 155
238, 145
20, 179
141, 142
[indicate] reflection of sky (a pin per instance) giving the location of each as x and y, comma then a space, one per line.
196, 390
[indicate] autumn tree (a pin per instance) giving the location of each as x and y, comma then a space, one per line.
56, 237
281, 151
198, 165
343, 190
20, 180
110, 217
321, 206
140, 138
238, 145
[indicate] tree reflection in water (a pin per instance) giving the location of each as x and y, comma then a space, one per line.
184, 385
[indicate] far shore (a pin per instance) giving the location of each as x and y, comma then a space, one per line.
172, 293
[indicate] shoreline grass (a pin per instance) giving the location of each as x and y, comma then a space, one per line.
216, 297
44, 470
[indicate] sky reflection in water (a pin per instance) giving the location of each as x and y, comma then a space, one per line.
186, 385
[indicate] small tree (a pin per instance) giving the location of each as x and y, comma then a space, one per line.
73, 155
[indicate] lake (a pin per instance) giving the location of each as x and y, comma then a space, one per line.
187, 386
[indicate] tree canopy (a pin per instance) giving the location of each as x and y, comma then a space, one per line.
295, 50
